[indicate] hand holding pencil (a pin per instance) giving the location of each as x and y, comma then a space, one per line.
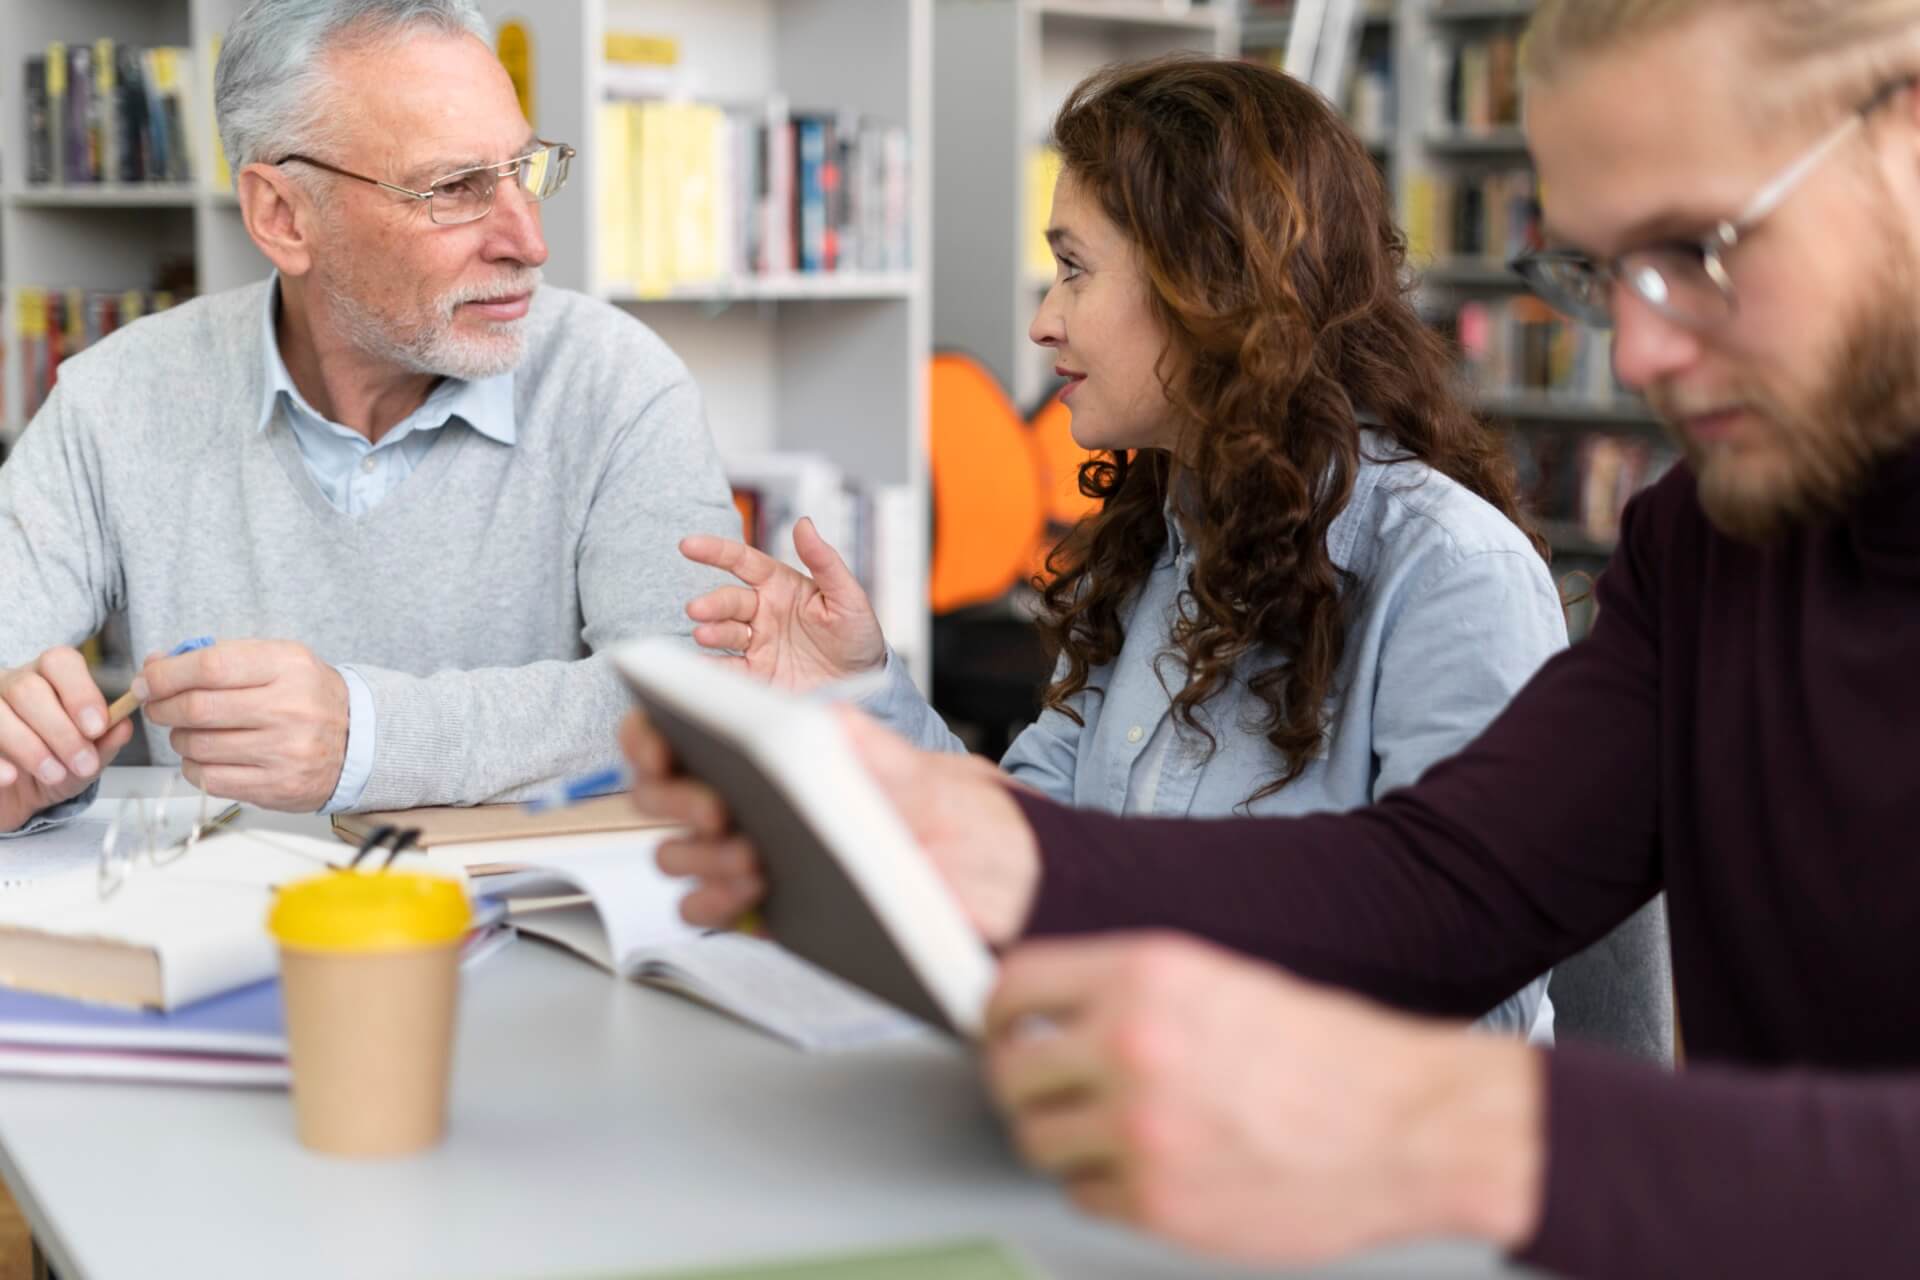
55, 735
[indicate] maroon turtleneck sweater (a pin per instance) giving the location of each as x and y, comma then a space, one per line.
1742, 729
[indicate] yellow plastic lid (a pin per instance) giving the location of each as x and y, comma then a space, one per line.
379, 911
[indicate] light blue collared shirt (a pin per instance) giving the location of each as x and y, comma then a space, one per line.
357, 475
1449, 611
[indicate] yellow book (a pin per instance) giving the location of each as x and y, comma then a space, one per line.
222, 171
695, 240
616, 195
1043, 173
654, 51
1418, 216
653, 259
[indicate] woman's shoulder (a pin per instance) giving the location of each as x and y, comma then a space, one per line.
1408, 521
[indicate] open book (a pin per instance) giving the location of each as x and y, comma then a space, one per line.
848, 886
605, 899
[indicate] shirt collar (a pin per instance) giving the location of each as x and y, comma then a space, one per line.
485, 405
1376, 448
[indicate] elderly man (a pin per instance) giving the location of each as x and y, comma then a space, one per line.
410, 490
1734, 186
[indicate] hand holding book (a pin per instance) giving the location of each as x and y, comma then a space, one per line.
956, 807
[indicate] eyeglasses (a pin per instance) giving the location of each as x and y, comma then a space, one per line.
467, 196
141, 832
1688, 281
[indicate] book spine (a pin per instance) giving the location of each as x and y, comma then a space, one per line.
39, 127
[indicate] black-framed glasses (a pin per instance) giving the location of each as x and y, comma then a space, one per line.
1686, 281
467, 195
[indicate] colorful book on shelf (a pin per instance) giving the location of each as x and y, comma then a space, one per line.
108, 112
697, 195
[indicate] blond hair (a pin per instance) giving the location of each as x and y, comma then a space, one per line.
1819, 53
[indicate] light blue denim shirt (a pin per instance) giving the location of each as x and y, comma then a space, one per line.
1450, 611
357, 475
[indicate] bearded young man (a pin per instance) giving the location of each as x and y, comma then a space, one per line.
1734, 185
410, 490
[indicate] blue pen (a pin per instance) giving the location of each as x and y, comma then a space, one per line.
127, 703
558, 795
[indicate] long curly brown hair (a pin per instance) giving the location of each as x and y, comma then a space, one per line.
1273, 262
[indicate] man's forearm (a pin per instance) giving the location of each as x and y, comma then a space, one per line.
472, 737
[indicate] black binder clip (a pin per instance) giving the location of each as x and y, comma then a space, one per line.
395, 840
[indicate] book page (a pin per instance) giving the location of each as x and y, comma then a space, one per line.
638, 904
769, 987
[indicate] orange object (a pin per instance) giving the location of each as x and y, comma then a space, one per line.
989, 509
1060, 459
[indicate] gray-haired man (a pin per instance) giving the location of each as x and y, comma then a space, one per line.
411, 491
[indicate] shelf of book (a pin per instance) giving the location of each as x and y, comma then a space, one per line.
825, 286
1142, 13
1460, 273
1494, 142
807, 329
1533, 408
1460, 11
157, 195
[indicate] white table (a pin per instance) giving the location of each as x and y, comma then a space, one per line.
598, 1129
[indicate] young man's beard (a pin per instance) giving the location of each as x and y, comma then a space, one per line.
1817, 458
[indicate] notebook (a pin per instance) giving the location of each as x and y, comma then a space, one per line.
605, 900
235, 1038
171, 935
491, 823
848, 887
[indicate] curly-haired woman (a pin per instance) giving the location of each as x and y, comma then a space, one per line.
1309, 578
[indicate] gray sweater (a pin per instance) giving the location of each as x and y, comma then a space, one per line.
473, 601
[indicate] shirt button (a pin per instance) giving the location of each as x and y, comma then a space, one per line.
367, 464
1136, 733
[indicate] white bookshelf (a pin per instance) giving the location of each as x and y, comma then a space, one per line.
833, 364
111, 236
1002, 68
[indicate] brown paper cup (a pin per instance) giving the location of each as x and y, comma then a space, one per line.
370, 1035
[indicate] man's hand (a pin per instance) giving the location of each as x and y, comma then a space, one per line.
53, 734
1227, 1106
793, 631
957, 807
262, 721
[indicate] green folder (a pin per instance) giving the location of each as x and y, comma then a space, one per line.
963, 1260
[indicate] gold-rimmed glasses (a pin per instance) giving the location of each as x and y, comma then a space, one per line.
466, 195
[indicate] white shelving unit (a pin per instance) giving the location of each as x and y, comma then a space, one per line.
1002, 68
832, 364
112, 236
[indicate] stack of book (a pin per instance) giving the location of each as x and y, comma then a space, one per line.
1490, 217
1476, 84
700, 195
108, 112
52, 324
